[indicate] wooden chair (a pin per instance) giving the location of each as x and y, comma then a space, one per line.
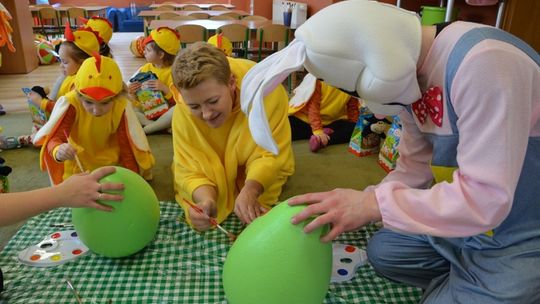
218, 7
238, 34
73, 14
190, 33
165, 7
48, 22
174, 16
200, 15
272, 38
232, 14
191, 7
254, 17
222, 17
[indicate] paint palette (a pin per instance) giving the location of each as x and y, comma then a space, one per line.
346, 260
58, 248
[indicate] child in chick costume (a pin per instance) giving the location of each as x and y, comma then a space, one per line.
102, 127
322, 113
160, 48
78, 46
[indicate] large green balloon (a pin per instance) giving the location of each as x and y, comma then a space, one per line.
127, 229
275, 262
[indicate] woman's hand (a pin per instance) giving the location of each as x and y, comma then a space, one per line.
247, 206
85, 190
343, 209
201, 221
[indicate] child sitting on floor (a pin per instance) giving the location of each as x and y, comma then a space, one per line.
160, 48
94, 126
104, 29
322, 113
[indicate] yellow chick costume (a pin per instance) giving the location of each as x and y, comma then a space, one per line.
225, 157
88, 42
222, 43
100, 25
95, 138
333, 102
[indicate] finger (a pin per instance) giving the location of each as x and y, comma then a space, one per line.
240, 213
251, 214
103, 171
317, 222
309, 211
110, 197
101, 207
112, 186
308, 198
332, 235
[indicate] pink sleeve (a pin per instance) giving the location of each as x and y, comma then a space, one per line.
494, 110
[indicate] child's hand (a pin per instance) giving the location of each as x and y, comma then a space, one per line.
157, 85
35, 98
201, 221
134, 87
323, 138
65, 151
247, 206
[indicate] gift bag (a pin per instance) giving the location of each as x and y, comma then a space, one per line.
151, 102
389, 153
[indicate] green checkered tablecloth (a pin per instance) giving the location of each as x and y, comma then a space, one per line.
179, 266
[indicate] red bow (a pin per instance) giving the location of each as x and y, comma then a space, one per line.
432, 103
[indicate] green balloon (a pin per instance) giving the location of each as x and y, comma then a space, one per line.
127, 229
274, 261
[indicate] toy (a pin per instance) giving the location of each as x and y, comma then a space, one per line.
56, 249
46, 52
136, 47
346, 260
274, 261
151, 102
127, 229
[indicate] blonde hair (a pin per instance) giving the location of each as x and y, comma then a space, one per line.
199, 62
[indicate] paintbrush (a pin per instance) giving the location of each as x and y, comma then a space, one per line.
76, 157
75, 292
212, 220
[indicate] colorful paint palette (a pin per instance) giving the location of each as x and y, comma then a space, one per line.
57, 248
346, 260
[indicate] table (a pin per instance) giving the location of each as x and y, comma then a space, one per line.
179, 266
149, 15
204, 6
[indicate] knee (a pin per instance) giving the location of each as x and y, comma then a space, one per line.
376, 251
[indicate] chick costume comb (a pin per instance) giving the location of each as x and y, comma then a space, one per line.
222, 43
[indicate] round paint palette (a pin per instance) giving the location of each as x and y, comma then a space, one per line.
58, 248
346, 260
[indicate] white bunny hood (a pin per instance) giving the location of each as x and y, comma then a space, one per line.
360, 46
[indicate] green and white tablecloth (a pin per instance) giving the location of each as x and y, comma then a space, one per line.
179, 266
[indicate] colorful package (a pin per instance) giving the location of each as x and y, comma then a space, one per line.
369, 132
151, 102
389, 153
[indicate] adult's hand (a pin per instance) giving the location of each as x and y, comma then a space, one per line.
84, 190
344, 209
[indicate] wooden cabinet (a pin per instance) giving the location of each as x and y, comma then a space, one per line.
25, 59
522, 18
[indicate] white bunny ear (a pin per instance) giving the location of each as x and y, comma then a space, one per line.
262, 79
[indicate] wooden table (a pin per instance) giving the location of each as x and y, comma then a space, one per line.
149, 15
204, 6
210, 25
